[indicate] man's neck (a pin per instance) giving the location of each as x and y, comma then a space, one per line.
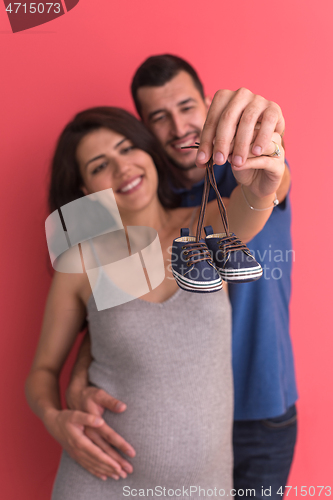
186, 178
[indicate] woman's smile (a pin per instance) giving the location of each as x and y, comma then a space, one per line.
110, 160
131, 185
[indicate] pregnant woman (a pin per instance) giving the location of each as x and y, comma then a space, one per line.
167, 354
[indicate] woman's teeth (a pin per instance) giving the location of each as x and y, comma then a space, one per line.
130, 186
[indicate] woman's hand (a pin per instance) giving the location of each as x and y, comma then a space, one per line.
95, 401
262, 175
68, 428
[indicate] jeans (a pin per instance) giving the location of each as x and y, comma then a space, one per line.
263, 452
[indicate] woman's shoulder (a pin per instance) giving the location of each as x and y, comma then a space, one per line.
66, 288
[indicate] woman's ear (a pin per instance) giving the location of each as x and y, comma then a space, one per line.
84, 190
208, 101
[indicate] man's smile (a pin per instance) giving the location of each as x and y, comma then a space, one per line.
185, 141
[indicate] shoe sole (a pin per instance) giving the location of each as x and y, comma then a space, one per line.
243, 275
199, 290
195, 286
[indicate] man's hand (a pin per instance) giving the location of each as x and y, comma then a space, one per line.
68, 426
233, 116
92, 399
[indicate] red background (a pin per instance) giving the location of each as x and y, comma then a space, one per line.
281, 50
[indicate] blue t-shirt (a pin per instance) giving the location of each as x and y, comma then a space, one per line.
263, 366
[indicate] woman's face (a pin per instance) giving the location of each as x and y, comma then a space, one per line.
109, 160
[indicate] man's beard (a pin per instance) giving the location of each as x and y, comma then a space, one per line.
177, 165
181, 167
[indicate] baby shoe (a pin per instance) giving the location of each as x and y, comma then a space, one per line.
192, 265
232, 258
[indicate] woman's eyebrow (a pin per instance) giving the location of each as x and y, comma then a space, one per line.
102, 155
93, 159
120, 142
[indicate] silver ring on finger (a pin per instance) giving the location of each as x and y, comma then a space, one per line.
277, 151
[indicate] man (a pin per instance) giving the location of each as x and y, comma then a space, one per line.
170, 99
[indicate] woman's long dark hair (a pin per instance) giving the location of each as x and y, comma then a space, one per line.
65, 178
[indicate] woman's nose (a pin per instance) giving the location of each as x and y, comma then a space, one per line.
120, 166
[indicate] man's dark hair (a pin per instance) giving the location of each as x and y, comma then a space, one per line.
156, 71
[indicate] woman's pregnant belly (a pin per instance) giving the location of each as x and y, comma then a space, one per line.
178, 419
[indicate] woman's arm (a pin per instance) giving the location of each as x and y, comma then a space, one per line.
63, 317
261, 178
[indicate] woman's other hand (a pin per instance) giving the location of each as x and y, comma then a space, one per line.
69, 428
262, 175
95, 401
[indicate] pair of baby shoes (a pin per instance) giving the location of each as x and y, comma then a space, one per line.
200, 266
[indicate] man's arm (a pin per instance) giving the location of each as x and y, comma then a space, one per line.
81, 396
79, 377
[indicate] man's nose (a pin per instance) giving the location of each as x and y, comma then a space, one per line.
178, 125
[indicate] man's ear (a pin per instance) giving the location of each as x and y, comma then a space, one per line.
208, 101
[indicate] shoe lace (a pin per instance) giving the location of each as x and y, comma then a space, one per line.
197, 249
230, 243
210, 180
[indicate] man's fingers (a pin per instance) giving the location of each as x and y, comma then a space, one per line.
116, 440
249, 117
104, 399
238, 121
219, 103
234, 116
